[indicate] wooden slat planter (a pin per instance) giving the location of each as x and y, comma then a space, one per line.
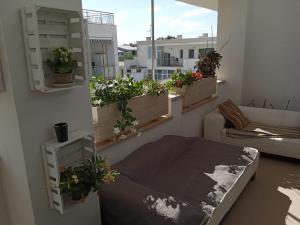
146, 108
198, 91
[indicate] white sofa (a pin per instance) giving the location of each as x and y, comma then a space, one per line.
214, 129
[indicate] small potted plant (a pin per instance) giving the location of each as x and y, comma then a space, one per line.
78, 181
62, 64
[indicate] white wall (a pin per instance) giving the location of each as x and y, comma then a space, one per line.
36, 113
4, 219
14, 190
261, 58
232, 20
272, 60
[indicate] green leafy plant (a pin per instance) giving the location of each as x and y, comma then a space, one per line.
153, 88
120, 91
209, 63
62, 61
78, 181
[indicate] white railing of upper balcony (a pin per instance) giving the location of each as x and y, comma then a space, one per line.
98, 17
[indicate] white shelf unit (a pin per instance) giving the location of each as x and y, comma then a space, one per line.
80, 146
46, 28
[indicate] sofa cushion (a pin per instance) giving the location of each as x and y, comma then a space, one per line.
257, 130
232, 113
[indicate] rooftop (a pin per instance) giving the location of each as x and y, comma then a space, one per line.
180, 40
127, 48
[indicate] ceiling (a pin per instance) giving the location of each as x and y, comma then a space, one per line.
209, 4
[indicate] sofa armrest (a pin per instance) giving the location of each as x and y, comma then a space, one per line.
214, 124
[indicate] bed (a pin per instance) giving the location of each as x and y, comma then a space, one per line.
178, 181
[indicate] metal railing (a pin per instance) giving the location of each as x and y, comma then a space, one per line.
98, 17
170, 61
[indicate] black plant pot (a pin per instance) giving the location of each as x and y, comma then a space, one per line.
76, 196
61, 130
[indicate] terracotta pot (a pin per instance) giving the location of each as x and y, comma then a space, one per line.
64, 78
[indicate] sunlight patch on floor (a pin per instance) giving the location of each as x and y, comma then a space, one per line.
293, 215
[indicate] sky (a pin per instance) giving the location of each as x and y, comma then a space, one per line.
133, 18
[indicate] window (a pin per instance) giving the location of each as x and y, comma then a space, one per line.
191, 54
181, 54
158, 74
202, 52
209, 50
164, 74
170, 73
149, 52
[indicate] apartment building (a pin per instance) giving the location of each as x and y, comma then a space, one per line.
175, 53
103, 40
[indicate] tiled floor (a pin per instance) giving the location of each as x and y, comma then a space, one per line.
272, 199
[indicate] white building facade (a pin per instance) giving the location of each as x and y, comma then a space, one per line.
103, 47
171, 54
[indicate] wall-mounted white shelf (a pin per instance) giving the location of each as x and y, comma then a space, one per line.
46, 28
71, 153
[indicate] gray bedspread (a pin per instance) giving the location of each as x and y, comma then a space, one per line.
173, 181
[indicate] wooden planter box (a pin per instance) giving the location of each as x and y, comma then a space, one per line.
198, 91
146, 108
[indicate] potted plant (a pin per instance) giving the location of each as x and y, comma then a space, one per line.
122, 105
209, 63
62, 65
196, 86
78, 181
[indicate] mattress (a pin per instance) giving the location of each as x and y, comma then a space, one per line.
177, 181
233, 194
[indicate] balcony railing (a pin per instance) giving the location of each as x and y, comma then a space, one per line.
98, 17
170, 61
